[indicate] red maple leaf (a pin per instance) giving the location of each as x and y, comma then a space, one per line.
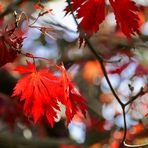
92, 13
42, 90
38, 90
72, 99
126, 16
9, 42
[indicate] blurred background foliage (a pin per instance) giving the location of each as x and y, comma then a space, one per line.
103, 126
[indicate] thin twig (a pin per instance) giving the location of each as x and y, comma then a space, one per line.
141, 92
125, 125
136, 146
29, 55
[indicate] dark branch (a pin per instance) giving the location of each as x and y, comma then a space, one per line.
141, 92
101, 61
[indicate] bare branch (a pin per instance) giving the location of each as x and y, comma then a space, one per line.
141, 92
136, 146
101, 61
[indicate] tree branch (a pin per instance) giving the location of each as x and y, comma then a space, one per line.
101, 61
141, 92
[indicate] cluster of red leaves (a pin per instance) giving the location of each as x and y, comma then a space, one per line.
93, 12
9, 42
42, 91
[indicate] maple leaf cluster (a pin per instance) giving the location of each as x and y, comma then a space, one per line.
92, 13
41, 91
9, 43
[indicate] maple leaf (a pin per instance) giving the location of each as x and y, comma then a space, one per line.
38, 91
9, 42
72, 99
42, 90
92, 13
126, 16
